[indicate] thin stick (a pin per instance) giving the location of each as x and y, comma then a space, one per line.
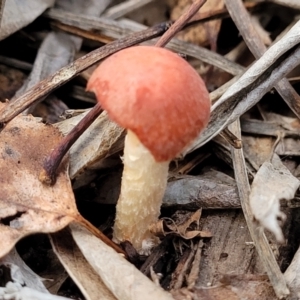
243, 22
113, 29
261, 243
179, 24
48, 174
15, 63
227, 135
65, 74
96, 232
87, 34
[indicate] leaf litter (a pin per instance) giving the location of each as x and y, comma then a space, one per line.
89, 159
26, 205
184, 229
78, 267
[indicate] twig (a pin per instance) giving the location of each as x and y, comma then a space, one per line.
236, 90
65, 74
276, 63
216, 94
179, 24
227, 135
186, 168
268, 128
116, 30
48, 174
180, 273
260, 241
15, 63
87, 34
246, 28
195, 269
111, 29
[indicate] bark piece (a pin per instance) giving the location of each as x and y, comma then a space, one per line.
210, 190
229, 250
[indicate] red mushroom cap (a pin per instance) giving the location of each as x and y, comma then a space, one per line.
154, 93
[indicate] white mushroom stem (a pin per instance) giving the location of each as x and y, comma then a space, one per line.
143, 185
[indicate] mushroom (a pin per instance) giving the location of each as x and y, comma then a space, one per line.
164, 105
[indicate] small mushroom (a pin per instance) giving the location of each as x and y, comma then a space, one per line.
164, 105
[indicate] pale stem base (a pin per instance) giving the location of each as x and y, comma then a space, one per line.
143, 185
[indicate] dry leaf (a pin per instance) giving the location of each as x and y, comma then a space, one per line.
55, 52
168, 226
257, 149
55, 274
10, 81
201, 34
272, 183
291, 275
21, 273
18, 13
121, 277
15, 291
26, 205
87, 280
